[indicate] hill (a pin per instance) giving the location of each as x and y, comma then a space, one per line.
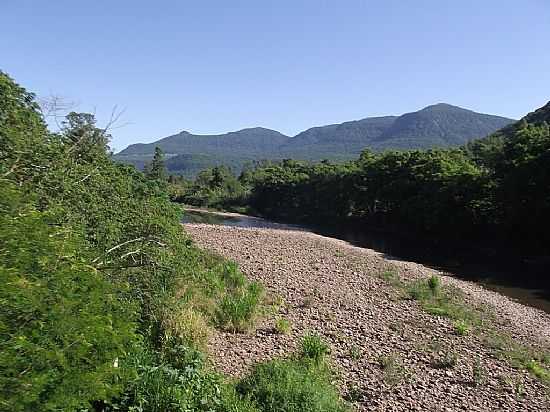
440, 125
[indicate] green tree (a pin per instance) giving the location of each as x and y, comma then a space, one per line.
156, 170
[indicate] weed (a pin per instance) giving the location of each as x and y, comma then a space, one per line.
292, 385
283, 326
519, 356
394, 371
391, 277
354, 394
307, 302
448, 360
238, 309
355, 352
314, 348
461, 327
188, 326
434, 283
478, 373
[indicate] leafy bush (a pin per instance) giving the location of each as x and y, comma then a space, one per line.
163, 385
105, 300
62, 328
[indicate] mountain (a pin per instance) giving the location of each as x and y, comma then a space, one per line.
345, 140
439, 125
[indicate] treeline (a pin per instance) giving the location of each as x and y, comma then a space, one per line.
106, 304
495, 190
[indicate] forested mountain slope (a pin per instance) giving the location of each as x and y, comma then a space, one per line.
440, 125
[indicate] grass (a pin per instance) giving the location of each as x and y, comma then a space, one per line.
394, 371
446, 301
446, 361
478, 373
299, 384
520, 356
314, 348
238, 309
283, 326
461, 327
355, 352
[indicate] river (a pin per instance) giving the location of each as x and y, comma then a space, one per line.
514, 278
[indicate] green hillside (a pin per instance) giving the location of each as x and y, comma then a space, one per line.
440, 125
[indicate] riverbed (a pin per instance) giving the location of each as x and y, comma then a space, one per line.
332, 288
512, 279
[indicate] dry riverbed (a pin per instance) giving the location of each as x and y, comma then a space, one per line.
334, 289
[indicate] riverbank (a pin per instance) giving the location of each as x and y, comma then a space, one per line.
386, 349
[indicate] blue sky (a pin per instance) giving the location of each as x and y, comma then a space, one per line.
216, 66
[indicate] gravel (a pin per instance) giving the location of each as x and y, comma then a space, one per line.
331, 288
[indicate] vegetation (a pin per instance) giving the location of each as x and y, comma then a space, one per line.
106, 303
439, 125
298, 384
314, 348
283, 326
495, 189
394, 370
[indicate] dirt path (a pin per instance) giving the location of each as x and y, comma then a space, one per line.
331, 287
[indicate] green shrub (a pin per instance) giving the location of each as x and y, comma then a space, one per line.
63, 330
96, 272
162, 387
314, 348
291, 386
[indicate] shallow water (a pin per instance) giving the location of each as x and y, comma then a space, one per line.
516, 279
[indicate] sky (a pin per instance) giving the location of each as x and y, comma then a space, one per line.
217, 66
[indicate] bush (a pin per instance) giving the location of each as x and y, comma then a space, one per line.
291, 386
63, 331
163, 387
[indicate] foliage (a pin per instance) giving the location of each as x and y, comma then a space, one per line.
62, 328
216, 188
156, 170
106, 302
496, 190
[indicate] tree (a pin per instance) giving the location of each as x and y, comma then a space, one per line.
156, 170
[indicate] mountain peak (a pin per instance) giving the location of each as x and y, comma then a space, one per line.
442, 107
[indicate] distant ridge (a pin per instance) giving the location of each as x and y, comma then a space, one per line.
438, 125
